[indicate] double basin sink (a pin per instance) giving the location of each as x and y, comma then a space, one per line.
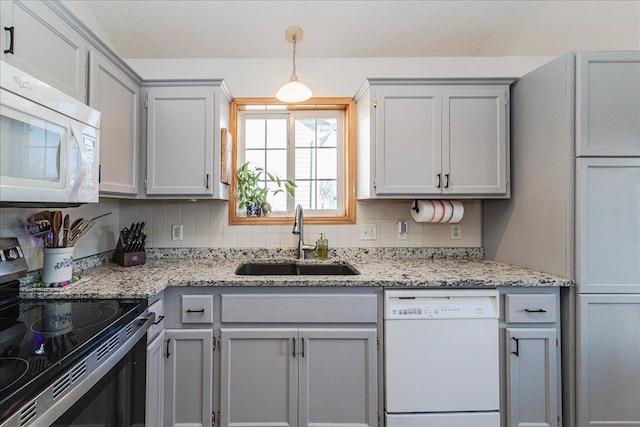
294, 269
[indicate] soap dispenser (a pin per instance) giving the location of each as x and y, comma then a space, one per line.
322, 247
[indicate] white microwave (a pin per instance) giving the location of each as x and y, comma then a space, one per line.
49, 144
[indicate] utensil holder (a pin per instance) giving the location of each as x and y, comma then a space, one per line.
57, 265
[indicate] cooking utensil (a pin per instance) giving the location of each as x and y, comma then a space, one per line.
56, 226
65, 230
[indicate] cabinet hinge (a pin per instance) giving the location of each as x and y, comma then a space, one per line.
506, 102
557, 342
377, 342
145, 183
146, 103
375, 102
375, 183
379, 418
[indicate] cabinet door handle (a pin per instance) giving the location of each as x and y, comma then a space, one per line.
446, 183
159, 320
10, 50
517, 352
195, 311
539, 310
302, 346
168, 354
294, 347
439, 180
207, 181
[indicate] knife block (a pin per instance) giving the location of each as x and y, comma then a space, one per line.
127, 259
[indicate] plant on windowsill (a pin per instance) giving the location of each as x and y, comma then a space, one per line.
251, 193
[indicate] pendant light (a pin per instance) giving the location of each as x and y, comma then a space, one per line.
294, 90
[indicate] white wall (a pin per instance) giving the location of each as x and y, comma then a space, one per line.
262, 77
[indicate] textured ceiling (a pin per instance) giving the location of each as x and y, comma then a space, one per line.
335, 29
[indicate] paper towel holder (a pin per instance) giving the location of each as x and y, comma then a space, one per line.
415, 206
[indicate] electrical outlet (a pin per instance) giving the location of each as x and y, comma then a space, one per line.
402, 230
176, 232
368, 232
456, 234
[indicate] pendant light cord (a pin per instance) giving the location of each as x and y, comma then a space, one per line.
294, 58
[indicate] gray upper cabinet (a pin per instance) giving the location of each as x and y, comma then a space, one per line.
608, 104
183, 138
433, 138
44, 45
117, 97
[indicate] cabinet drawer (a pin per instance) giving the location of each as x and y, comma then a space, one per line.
290, 308
530, 308
197, 308
158, 325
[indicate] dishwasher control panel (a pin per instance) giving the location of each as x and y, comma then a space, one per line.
438, 304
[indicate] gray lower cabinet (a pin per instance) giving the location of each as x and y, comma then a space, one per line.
155, 382
531, 358
298, 377
188, 377
532, 377
608, 362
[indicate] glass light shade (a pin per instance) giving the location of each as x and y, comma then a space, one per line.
294, 91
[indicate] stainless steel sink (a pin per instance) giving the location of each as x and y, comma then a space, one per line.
294, 269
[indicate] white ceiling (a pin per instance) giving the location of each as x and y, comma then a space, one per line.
355, 29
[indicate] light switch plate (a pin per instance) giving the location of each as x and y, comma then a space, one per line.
368, 232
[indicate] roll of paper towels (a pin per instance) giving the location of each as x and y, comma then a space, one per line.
450, 211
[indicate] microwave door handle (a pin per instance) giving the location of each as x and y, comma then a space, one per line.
75, 133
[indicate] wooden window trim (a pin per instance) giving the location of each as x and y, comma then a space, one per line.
346, 104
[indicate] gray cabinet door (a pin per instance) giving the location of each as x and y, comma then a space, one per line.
45, 46
188, 377
608, 361
180, 140
608, 104
259, 377
338, 377
608, 225
474, 141
408, 140
532, 372
117, 98
155, 382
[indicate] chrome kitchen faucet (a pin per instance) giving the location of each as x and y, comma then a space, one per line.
298, 230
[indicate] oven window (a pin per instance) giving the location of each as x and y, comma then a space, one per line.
118, 399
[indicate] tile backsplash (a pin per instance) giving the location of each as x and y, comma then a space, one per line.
205, 224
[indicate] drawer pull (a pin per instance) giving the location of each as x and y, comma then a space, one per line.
11, 30
159, 320
539, 310
195, 311
517, 346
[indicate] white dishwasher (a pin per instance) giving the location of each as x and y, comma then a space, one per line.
441, 358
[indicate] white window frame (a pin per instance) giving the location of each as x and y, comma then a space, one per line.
291, 117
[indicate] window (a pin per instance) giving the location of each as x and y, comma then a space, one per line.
310, 143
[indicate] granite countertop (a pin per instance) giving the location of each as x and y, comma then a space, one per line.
110, 280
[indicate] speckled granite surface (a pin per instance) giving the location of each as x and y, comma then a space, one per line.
378, 267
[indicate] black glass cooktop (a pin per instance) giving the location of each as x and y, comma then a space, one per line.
40, 339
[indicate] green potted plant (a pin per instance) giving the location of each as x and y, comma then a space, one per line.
251, 192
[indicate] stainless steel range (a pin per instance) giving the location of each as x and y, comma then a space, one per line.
64, 362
